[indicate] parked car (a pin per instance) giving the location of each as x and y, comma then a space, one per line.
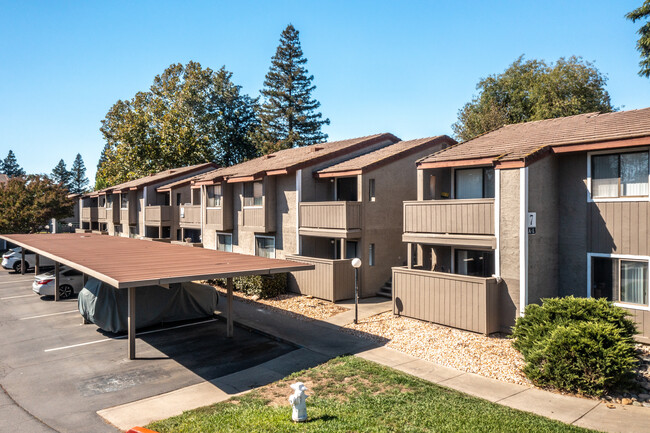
71, 281
11, 260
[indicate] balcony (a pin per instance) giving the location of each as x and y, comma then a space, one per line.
128, 216
218, 219
468, 222
459, 301
157, 215
331, 218
89, 214
190, 216
107, 214
332, 280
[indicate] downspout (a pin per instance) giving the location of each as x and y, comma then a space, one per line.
497, 223
203, 190
144, 211
298, 201
523, 239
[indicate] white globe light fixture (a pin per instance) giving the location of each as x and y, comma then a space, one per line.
356, 264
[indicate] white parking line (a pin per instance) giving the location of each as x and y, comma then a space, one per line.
48, 315
14, 297
121, 337
17, 281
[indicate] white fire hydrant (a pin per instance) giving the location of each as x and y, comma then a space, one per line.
298, 401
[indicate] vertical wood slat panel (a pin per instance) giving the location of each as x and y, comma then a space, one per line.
619, 227
330, 215
332, 280
450, 216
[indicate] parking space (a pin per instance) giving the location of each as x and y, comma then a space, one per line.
61, 372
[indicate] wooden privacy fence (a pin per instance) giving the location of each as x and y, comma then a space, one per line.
332, 280
460, 301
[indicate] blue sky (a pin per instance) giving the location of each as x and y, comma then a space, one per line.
379, 66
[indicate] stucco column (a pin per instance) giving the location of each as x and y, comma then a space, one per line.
131, 322
343, 249
229, 321
409, 255
37, 264
22, 261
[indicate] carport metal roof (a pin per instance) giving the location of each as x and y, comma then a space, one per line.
124, 262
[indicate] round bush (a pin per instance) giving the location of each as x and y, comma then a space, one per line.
584, 357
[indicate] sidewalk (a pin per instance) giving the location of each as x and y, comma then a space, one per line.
322, 340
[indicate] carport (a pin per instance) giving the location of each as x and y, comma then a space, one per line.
126, 263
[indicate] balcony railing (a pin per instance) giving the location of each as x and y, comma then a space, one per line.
332, 280
155, 215
190, 215
337, 215
460, 301
466, 217
89, 213
219, 218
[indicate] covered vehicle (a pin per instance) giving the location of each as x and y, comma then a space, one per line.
107, 307
11, 260
71, 282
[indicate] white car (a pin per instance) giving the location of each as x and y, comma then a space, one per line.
71, 281
11, 260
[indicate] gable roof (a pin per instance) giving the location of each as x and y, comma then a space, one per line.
519, 144
379, 157
290, 160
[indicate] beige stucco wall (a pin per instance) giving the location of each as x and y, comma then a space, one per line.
509, 246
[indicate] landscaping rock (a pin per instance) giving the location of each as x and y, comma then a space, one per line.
626, 401
644, 396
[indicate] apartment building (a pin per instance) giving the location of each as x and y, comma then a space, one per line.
541, 209
134, 208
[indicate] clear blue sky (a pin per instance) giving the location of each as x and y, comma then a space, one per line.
379, 66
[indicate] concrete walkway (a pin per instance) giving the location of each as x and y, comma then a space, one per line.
323, 340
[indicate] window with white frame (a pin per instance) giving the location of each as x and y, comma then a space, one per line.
124, 200
620, 279
474, 183
619, 175
371, 189
265, 246
371, 255
253, 194
109, 201
214, 195
224, 242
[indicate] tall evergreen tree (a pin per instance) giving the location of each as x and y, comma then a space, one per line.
642, 13
78, 179
10, 166
61, 175
288, 116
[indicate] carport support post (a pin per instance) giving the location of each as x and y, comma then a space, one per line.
22, 261
37, 264
57, 281
131, 324
229, 326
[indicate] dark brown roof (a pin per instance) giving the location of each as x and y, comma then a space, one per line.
124, 262
292, 159
384, 155
518, 141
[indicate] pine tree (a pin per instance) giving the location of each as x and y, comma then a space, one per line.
78, 179
61, 175
288, 116
10, 166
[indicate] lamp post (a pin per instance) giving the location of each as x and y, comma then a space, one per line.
356, 264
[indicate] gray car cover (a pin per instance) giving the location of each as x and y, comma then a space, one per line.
107, 307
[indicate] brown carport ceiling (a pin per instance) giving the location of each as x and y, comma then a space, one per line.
123, 262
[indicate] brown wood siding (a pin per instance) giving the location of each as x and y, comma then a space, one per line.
191, 216
342, 215
253, 217
458, 301
642, 319
157, 214
89, 213
473, 217
619, 227
332, 280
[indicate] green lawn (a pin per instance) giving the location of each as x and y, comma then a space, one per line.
350, 394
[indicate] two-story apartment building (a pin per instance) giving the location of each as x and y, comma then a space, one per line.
548, 208
134, 208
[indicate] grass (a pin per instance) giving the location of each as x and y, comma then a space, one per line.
349, 394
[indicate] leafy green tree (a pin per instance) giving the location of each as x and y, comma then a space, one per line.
30, 202
61, 175
10, 166
78, 181
190, 115
643, 44
288, 115
533, 90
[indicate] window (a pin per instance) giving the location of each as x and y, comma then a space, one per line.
214, 195
196, 196
178, 199
371, 189
102, 201
109, 201
346, 189
253, 194
118, 230
166, 197
620, 280
224, 242
474, 263
474, 183
265, 246
133, 231
124, 200
619, 175
371, 255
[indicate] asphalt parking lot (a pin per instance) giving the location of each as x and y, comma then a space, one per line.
57, 373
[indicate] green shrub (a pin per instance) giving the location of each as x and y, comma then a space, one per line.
264, 286
584, 357
582, 345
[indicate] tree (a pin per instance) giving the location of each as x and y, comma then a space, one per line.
10, 166
30, 202
532, 90
61, 175
78, 180
643, 44
190, 115
288, 116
